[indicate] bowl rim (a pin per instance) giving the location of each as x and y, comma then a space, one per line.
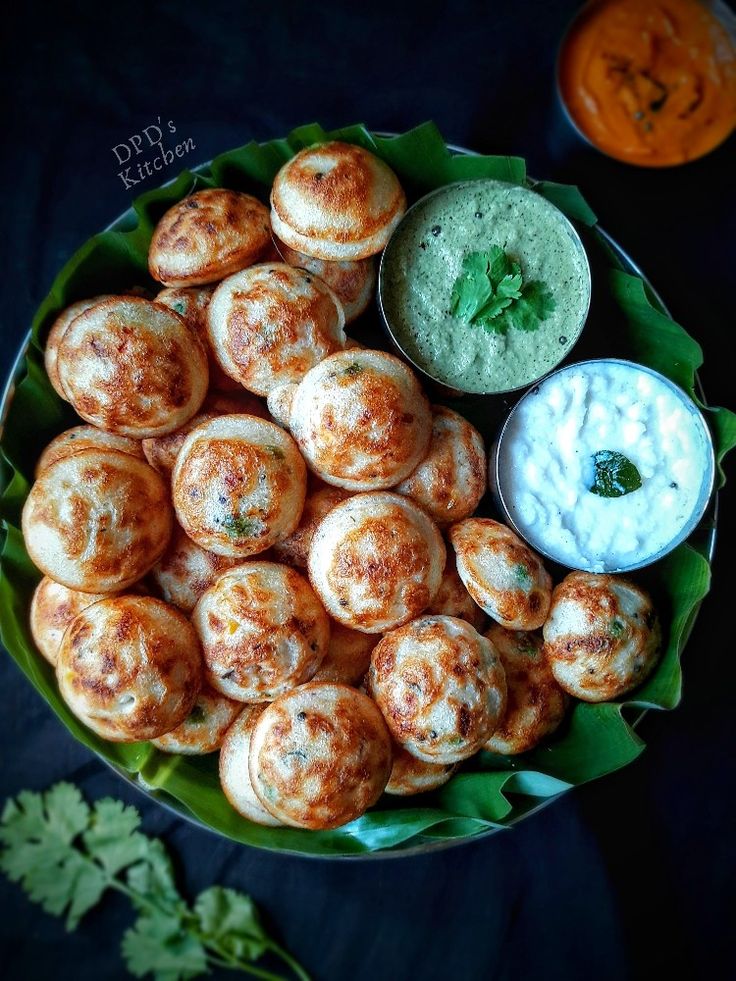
381, 279
705, 493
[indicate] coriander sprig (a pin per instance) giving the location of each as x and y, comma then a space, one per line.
66, 855
490, 292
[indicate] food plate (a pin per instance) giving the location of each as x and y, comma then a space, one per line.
627, 319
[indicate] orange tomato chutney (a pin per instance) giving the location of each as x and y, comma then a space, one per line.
650, 82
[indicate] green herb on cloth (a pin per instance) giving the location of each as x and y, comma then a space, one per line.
66, 854
490, 291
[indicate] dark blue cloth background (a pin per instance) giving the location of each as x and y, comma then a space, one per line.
626, 877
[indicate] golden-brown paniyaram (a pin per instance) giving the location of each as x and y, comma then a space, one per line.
602, 637
502, 574
262, 629
294, 550
204, 728
234, 774
130, 668
453, 600
440, 686
271, 323
186, 570
85, 438
376, 561
320, 756
348, 655
238, 485
535, 704
97, 521
53, 608
191, 303
410, 775
451, 479
162, 451
58, 329
352, 282
361, 420
133, 367
336, 201
208, 235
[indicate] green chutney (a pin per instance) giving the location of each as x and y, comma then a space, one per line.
424, 258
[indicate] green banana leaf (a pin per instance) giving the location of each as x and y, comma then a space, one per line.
491, 791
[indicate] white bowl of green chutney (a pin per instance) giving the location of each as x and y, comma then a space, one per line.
484, 286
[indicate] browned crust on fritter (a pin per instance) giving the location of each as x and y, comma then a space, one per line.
453, 600
58, 329
104, 493
346, 192
404, 555
133, 367
53, 608
535, 703
144, 649
412, 776
186, 570
595, 654
340, 753
207, 236
425, 684
234, 466
294, 550
523, 606
191, 303
450, 481
162, 451
80, 438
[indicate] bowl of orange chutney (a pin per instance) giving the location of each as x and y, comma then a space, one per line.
650, 82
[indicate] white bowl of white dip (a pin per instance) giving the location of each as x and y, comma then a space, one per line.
604, 466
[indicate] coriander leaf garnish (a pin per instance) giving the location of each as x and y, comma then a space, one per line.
240, 526
615, 474
66, 855
490, 292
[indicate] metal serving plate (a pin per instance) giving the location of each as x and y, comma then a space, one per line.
706, 534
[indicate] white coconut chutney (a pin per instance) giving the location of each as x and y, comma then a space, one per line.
546, 466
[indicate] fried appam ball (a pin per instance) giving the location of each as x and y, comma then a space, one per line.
204, 728
97, 521
234, 773
294, 550
352, 282
453, 600
208, 235
361, 420
320, 756
535, 704
130, 668
162, 451
440, 686
412, 776
186, 570
58, 329
263, 631
85, 438
602, 637
376, 561
53, 608
133, 367
502, 574
348, 655
270, 324
336, 201
238, 485
191, 303
451, 479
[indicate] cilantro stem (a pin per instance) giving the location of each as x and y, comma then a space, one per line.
236, 965
287, 959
